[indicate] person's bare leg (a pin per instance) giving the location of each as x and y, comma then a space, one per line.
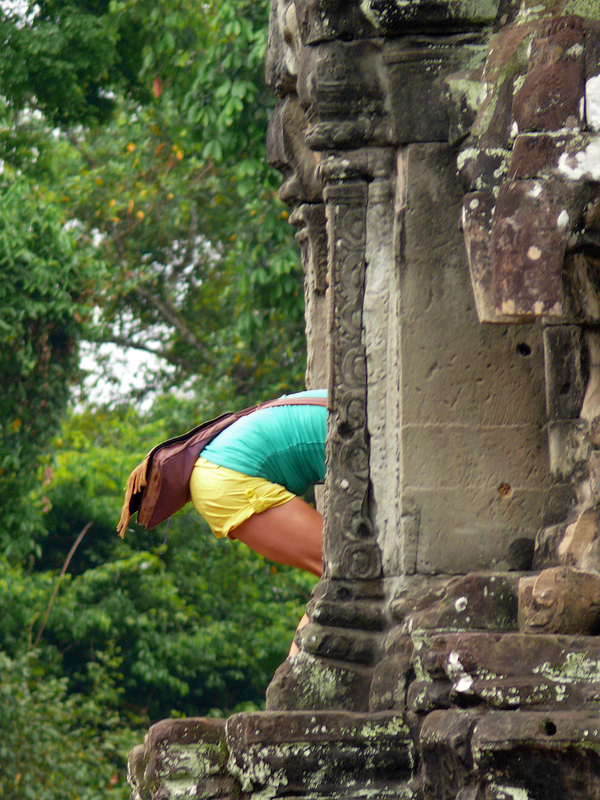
302, 624
289, 534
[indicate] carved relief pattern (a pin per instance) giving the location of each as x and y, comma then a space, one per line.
347, 526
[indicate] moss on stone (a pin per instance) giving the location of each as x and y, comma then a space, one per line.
589, 9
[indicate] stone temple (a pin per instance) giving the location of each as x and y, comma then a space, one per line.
442, 162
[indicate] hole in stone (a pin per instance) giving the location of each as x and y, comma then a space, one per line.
344, 430
565, 388
520, 554
505, 490
549, 727
523, 349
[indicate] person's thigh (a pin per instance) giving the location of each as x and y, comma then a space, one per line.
291, 534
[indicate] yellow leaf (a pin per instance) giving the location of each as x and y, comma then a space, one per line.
140, 214
16, 424
130, 147
112, 203
130, 207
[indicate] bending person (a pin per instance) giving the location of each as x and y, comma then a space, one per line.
247, 481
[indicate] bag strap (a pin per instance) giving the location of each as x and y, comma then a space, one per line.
235, 415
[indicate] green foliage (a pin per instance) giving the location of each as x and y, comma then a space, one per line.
66, 58
45, 284
174, 193
55, 744
201, 624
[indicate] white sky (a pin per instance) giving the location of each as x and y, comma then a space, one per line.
128, 369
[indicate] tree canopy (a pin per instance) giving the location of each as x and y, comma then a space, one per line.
148, 134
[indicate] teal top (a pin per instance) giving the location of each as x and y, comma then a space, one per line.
283, 444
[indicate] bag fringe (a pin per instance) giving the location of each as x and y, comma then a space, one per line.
135, 483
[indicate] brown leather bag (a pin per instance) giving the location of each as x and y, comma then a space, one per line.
160, 485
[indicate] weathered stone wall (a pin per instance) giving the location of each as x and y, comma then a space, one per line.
474, 452
441, 160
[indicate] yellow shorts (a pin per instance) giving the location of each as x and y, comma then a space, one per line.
226, 498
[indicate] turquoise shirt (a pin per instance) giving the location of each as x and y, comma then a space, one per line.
284, 445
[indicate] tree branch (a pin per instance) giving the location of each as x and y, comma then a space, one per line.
171, 315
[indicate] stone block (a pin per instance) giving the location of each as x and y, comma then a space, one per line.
579, 545
340, 644
550, 94
552, 755
478, 211
391, 678
504, 369
535, 153
183, 757
356, 614
395, 17
340, 85
280, 74
559, 501
473, 529
305, 682
560, 600
500, 755
546, 543
478, 601
324, 20
569, 448
509, 670
417, 71
424, 696
444, 741
349, 559
503, 458
454, 368
463, 92
506, 64
565, 371
410, 593
318, 752
530, 230
287, 152
544, 156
